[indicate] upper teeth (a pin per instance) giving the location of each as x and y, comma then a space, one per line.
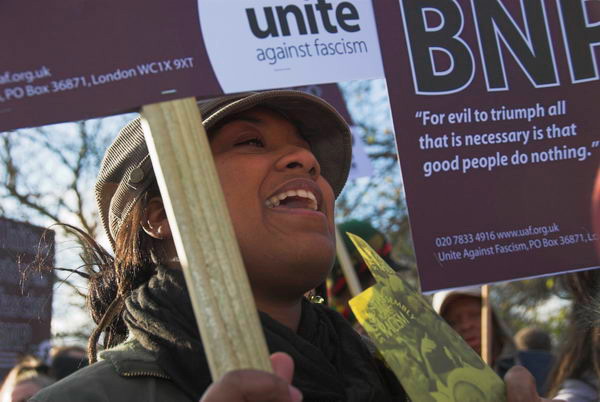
277, 198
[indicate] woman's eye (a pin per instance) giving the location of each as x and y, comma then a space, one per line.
253, 142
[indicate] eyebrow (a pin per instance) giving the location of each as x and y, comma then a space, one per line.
242, 117
239, 117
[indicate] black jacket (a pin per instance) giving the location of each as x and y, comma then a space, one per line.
164, 360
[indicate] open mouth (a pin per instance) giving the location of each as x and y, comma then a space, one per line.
298, 194
302, 199
473, 341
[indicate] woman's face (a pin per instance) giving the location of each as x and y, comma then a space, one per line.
280, 205
463, 314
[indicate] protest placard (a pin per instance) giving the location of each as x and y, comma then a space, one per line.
25, 295
498, 133
86, 60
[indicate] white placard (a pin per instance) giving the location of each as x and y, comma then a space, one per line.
262, 44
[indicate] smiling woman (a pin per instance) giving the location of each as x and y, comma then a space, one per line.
282, 157
267, 171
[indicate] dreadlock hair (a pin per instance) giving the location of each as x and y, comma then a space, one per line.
580, 352
111, 279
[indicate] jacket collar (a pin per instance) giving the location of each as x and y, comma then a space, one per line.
130, 359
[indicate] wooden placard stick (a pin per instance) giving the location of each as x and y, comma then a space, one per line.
486, 325
206, 245
346, 264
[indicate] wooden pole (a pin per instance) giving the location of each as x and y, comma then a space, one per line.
346, 264
204, 237
486, 325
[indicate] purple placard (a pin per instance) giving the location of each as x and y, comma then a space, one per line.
76, 59
496, 116
88, 59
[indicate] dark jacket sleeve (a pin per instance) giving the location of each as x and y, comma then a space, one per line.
101, 383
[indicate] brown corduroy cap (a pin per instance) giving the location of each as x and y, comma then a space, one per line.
126, 170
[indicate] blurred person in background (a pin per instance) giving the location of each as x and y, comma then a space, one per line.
338, 290
461, 308
533, 339
575, 377
65, 360
535, 353
25, 380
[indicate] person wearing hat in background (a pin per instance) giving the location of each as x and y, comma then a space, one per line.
461, 308
282, 157
338, 291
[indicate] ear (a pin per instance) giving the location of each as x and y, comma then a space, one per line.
154, 222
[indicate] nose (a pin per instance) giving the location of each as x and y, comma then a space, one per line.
466, 324
462, 327
301, 159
